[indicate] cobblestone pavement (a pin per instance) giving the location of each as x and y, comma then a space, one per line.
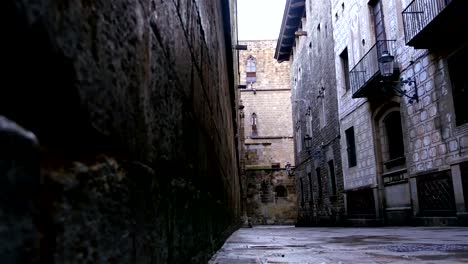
287, 244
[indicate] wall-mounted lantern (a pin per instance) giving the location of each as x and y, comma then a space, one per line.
386, 66
386, 62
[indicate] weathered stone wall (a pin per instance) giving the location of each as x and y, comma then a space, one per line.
316, 114
270, 99
352, 30
270, 73
273, 111
132, 103
432, 141
264, 205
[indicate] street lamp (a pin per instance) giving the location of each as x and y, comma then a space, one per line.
386, 62
386, 66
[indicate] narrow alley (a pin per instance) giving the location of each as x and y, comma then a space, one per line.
233, 131
287, 244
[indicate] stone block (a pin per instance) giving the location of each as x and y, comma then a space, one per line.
420, 130
429, 126
453, 145
432, 152
423, 154
418, 67
439, 78
410, 109
436, 137
464, 142
438, 162
426, 61
420, 167
418, 144
432, 110
427, 141
423, 116
429, 86
423, 76
442, 149
427, 100
446, 133
429, 165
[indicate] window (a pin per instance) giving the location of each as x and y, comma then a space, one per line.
302, 191
331, 171
251, 70
345, 67
351, 147
309, 177
379, 27
322, 110
309, 121
319, 183
458, 72
281, 191
376, 8
254, 125
394, 135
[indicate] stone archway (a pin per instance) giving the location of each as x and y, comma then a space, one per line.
392, 176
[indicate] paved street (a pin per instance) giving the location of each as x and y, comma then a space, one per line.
287, 244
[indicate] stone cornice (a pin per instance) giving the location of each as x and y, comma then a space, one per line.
293, 12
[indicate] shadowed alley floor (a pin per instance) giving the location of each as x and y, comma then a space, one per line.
287, 244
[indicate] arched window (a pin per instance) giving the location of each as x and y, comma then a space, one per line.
281, 191
394, 135
254, 125
251, 70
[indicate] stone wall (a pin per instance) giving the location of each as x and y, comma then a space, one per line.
432, 141
265, 205
270, 74
315, 114
133, 107
352, 30
270, 148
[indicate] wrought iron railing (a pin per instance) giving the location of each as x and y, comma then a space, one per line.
419, 13
368, 67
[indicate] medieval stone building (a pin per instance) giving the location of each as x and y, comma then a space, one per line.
306, 41
270, 194
404, 152
398, 67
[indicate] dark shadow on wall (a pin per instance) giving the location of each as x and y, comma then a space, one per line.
39, 86
85, 198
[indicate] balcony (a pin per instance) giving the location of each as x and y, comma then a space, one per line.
431, 24
365, 75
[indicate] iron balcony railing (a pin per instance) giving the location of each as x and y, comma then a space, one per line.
367, 68
419, 13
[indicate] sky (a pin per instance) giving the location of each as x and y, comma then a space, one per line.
259, 19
